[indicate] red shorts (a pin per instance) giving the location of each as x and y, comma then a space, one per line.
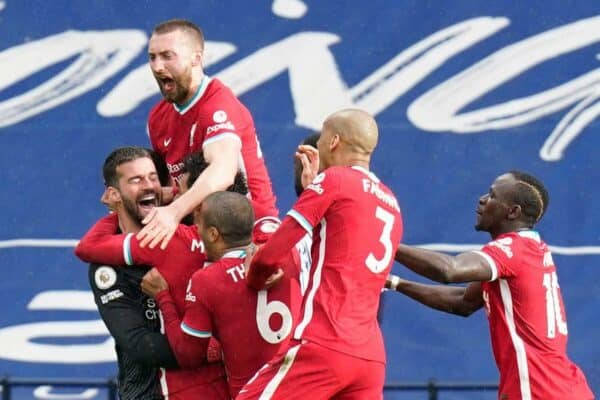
308, 370
209, 382
217, 390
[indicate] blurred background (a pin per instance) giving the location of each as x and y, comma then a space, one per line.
462, 91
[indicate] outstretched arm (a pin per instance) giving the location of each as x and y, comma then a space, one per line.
465, 267
457, 300
101, 244
161, 223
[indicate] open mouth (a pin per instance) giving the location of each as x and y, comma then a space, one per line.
148, 201
167, 84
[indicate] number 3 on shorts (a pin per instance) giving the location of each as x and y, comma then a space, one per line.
373, 263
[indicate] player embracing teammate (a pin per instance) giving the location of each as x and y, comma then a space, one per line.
324, 340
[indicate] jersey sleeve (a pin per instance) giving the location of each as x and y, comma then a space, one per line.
226, 119
134, 254
190, 351
316, 199
197, 320
124, 316
102, 245
499, 255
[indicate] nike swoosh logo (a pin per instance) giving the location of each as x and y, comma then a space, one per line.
167, 142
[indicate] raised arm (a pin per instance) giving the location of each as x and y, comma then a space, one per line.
222, 156
465, 267
274, 254
451, 299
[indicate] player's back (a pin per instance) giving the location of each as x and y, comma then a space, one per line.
357, 227
528, 324
251, 326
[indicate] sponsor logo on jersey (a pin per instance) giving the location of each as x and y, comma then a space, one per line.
220, 116
167, 142
319, 178
189, 296
225, 125
110, 296
269, 227
315, 185
175, 168
105, 277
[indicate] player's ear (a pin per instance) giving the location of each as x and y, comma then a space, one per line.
113, 194
514, 212
213, 234
197, 59
335, 141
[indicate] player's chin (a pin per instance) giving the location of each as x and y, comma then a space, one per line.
479, 226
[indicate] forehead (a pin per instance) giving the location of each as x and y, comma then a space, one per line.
173, 41
139, 166
503, 184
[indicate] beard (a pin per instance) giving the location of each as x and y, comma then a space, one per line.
181, 89
133, 209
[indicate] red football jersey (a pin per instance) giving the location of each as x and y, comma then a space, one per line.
251, 326
182, 257
356, 226
212, 114
177, 263
528, 325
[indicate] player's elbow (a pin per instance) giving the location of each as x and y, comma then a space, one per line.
82, 252
449, 273
465, 309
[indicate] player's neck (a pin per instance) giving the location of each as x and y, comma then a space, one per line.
352, 160
128, 224
509, 228
225, 250
195, 85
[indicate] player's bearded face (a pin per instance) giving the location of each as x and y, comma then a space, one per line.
139, 188
175, 89
171, 57
139, 206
